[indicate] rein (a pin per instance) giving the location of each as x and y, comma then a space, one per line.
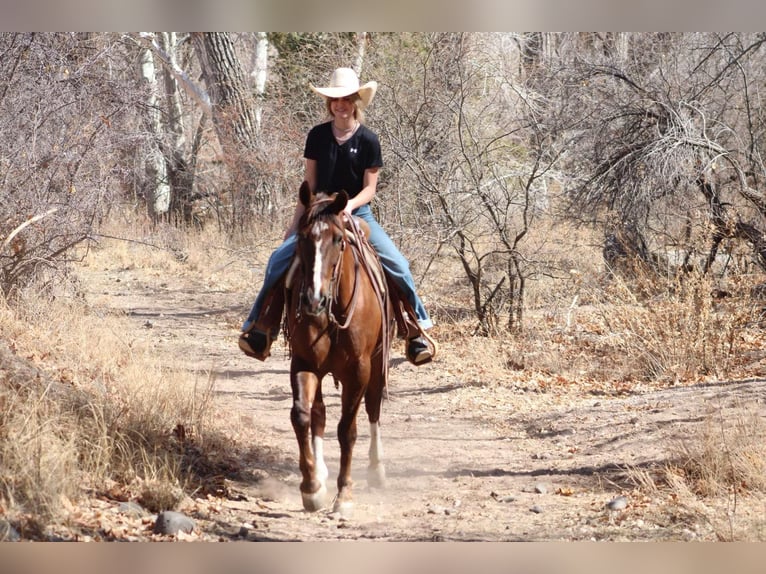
336, 273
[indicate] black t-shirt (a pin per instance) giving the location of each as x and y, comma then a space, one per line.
342, 166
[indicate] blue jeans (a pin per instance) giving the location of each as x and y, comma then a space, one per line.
393, 262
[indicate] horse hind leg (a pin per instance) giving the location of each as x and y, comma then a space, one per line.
318, 419
376, 470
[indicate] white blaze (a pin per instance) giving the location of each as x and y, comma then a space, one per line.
317, 279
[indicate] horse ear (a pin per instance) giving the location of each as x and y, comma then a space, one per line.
341, 200
305, 193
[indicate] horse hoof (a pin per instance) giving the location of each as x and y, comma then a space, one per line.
344, 509
376, 477
313, 501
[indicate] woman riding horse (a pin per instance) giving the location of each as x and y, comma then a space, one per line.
341, 155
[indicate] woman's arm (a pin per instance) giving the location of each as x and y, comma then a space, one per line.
368, 191
310, 176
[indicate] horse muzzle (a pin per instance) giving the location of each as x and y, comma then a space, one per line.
314, 306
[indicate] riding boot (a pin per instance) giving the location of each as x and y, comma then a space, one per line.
256, 341
416, 349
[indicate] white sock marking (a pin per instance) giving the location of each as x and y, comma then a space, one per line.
376, 444
321, 467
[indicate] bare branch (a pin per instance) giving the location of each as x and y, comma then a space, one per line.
197, 92
27, 223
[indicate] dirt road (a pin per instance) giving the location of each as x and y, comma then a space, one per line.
467, 459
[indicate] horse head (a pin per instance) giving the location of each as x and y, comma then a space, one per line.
320, 247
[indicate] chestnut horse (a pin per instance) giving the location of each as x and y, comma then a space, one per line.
339, 321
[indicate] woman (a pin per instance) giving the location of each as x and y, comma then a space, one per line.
341, 154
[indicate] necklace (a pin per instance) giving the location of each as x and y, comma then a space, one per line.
345, 131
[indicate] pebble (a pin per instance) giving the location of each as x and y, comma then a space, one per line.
617, 503
536, 509
169, 522
499, 498
538, 488
8, 533
131, 508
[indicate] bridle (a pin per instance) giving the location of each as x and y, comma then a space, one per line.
351, 233
338, 270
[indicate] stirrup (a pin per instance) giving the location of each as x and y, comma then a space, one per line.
422, 354
256, 344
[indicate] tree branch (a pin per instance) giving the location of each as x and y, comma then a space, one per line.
198, 93
27, 223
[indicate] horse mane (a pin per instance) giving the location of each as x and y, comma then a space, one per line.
319, 208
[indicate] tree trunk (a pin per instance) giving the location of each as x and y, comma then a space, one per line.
259, 73
158, 187
361, 40
234, 120
180, 176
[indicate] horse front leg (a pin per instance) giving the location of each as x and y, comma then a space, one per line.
305, 387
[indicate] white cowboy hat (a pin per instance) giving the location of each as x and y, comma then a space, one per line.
345, 82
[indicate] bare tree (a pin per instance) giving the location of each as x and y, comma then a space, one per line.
158, 188
225, 98
234, 118
669, 142
361, 46
68, 116
260, 73
467, 133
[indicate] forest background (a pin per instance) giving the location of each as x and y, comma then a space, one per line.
589, 204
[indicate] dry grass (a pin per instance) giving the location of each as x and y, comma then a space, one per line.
715, 480
86, 408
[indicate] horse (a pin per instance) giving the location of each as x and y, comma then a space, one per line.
339, 320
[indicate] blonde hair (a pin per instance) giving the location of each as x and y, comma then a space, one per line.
355, 99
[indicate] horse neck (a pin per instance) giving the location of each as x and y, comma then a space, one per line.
347, 277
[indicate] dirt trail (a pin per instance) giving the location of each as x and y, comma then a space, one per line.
465, 460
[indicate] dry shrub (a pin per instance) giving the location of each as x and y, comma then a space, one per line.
676, 330
84, 406
38, 451
715, 480
728, 455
